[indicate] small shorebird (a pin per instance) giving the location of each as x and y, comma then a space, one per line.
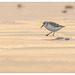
52, 26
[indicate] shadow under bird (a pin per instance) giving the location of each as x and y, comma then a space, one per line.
52, 26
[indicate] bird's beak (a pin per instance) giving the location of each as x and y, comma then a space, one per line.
41, 26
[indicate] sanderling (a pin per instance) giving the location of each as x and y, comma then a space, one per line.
51, 26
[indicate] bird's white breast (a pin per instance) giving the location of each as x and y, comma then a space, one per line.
52, 28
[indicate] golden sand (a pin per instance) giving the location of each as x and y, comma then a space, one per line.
24, 46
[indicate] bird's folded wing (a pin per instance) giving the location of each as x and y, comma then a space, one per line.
54, 24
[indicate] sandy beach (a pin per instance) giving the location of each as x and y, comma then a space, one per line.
24, 46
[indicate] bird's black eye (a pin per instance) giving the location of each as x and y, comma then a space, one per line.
43, 23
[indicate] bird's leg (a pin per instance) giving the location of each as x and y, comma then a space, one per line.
48, 33
53, 33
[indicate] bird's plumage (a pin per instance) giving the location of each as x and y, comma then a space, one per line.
52, 26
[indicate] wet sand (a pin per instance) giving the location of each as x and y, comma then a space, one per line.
25, 48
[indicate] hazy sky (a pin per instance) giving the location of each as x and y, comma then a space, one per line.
33, 11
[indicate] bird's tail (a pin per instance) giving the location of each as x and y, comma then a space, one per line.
62, 26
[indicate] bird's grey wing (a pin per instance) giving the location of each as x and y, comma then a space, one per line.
54, 24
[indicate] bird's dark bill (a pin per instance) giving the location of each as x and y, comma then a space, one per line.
41, 26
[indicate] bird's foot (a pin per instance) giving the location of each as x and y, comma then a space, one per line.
47, 34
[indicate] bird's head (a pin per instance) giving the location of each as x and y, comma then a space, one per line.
44, 23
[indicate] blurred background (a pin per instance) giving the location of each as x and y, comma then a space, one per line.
36, 10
